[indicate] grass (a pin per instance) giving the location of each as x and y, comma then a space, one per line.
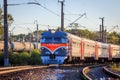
115, 67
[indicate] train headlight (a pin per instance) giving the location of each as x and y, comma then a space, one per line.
42, 48
63, 48
52, 31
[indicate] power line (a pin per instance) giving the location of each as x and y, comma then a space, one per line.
37, 3
113, 28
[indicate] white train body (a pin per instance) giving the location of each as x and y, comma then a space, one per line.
82, 48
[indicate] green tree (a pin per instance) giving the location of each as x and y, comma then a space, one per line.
10, 21
113, 38
1, 25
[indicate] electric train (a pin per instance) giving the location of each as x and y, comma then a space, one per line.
59, 46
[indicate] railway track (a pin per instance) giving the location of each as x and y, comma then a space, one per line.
96, 73
54, 72
7, 70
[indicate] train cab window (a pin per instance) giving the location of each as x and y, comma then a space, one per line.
64, 40
57, 40
60, 40
46, 40
54, 40
42, 40
104, 48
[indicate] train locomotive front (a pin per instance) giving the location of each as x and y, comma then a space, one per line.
54, 47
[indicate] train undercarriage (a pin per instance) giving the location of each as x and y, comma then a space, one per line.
91, 60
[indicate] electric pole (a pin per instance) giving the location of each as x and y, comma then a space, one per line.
100, 32
62, 14
102, 36
36, 34
6, 60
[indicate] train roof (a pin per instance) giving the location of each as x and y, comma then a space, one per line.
73, 36
53, 33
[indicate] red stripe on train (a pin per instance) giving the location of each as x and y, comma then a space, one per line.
52, 47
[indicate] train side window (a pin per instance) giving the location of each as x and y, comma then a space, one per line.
73, 42
104, 48
87, 45
49, 40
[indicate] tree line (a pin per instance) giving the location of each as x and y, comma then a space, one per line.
10, 21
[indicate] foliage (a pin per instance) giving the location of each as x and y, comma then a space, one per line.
19, 58
35, 57
115, 66
25, 58
14, 59
10, 21
113, 37
22, 58
1, 26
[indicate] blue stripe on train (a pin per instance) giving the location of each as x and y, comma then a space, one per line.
57, 60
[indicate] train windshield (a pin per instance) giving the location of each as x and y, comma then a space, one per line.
57, 40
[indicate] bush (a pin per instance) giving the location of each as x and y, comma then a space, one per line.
19, 58
24, 58
14, 59
35, 57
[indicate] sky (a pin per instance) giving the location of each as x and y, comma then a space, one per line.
27, 15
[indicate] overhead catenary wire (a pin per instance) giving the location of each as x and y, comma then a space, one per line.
78, 18
37, 3
44, 8
20, 25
